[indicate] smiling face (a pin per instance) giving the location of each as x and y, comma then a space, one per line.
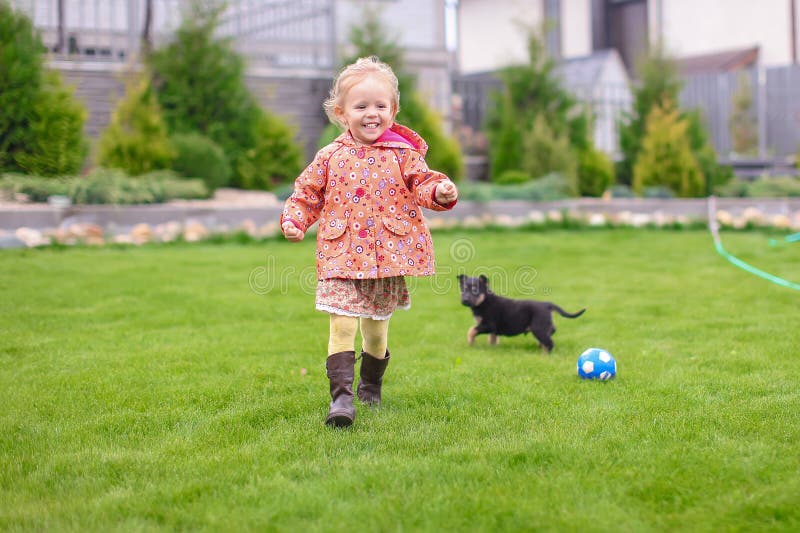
367, 109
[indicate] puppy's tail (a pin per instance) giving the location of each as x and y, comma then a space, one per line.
554, 307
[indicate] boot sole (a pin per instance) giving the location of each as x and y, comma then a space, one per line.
339, 421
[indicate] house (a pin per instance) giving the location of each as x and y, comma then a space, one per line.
710, 39
596, 77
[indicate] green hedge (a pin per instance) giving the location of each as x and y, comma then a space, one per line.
104, 186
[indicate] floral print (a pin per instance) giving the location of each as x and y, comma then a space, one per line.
367, 200
371, 298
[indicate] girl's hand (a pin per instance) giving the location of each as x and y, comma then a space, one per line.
446, 193
292, 232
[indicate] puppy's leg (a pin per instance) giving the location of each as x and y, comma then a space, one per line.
473, 331
493, 339
542, 334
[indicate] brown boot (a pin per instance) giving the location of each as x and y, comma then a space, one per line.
341, 372
372, 369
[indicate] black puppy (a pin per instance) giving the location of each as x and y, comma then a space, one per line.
497, 315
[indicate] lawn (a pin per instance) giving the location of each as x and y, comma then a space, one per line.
182, 387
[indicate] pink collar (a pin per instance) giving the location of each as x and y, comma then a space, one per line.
392, 136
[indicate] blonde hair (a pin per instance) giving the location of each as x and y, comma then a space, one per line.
355, 73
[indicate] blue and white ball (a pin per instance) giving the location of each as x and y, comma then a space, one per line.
596, 363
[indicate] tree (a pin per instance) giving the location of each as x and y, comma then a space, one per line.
372, 38
534, 109
147, 27
136, 140
665, 157
744, 129
199, 82
38, 115
660, 83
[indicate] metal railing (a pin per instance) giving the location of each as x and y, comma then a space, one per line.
273, 34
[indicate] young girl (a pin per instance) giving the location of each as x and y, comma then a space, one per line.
366, 189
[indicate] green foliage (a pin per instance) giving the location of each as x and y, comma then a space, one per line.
545, 189
661, 83
666, 157
58, 145
504, 135
533, 92
768, 187
744, 130
106, 186
328, 135
41, 124
197, 156
546, 151
373, 38
199, 82
20, 83
444, 152
595, 172
715, 174
274, 159
35, 188
512, 177
136, 139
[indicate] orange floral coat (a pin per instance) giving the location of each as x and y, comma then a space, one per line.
367, 199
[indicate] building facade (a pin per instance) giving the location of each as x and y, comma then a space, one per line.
291, 47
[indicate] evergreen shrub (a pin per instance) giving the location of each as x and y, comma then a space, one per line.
197, 156
41, 123
136, 139
666, 157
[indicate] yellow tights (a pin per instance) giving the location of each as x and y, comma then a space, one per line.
374, 334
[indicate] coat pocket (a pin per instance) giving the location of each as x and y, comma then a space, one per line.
397, 224
333, 238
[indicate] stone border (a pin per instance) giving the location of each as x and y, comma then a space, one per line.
30, 225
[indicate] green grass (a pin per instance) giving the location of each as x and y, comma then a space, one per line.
182, 387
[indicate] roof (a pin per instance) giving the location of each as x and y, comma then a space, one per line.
586, 70
724, 61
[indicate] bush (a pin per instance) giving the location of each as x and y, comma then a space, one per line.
547, 151
106, 186
197, 156
328, 135
36, 189
136, 140
58, 146
444, 153
199, 81
546, 189
595, 172
666, 158
274, 159
781, 187
512, 177
534, 92
41, 123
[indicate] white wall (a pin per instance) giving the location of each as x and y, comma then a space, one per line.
493, 34
693, 27
576, 28
415, 23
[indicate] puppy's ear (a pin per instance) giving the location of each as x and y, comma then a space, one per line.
484, 279
460, 277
